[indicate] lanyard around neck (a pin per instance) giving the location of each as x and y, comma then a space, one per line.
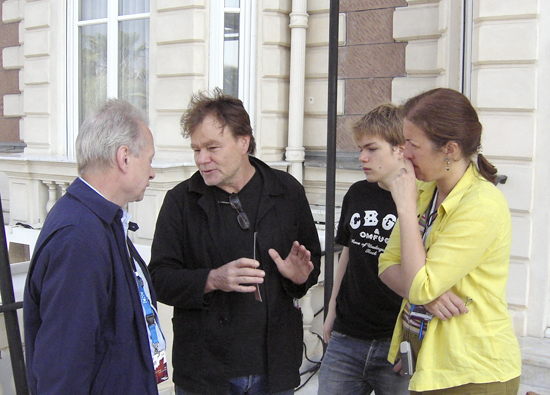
150, 316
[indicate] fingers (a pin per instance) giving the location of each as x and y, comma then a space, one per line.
447, 306
456, 304
397, 368
274, 255
240, 275
409, 166
300, 252
244, 262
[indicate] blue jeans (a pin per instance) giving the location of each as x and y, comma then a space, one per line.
358, 367
246, 385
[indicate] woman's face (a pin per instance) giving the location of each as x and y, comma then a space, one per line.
429, 163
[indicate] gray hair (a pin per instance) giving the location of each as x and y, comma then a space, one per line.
115, 124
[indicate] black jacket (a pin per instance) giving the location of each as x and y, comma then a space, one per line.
188, 243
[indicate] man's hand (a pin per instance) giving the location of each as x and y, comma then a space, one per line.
240, 275
447, 306
297, 266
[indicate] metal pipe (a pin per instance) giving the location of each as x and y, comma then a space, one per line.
331, 148
10, 315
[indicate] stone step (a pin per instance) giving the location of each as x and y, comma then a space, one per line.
535, 371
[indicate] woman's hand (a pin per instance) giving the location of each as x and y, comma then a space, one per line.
403, 189
447, 306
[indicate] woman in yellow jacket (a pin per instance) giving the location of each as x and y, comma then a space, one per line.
463, 246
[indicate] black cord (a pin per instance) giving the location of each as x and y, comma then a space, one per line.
316, 364
24, 225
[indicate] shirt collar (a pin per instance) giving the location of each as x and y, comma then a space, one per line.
426, 190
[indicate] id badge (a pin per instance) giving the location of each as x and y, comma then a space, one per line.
161, 370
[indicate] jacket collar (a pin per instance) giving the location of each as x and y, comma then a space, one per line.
104, 209
426, 190
272, 185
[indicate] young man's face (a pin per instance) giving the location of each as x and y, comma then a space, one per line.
380, 160
218, 155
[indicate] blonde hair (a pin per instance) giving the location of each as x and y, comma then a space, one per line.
384, 121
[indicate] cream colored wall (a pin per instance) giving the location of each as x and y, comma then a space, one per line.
508, 67
42, 60
178, 68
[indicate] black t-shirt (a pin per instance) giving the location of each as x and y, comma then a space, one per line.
249, 316
365, 307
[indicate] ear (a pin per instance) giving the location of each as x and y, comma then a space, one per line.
452, 150
399, 149
123, 158
245, 141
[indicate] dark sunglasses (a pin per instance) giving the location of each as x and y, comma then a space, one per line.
242, 218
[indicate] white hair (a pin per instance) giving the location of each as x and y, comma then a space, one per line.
115, 124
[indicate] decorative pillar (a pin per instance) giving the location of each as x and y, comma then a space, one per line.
52, 194
295, 152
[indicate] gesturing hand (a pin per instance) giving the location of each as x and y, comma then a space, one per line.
240, 275
297, 266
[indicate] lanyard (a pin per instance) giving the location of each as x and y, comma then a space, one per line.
149, 313
150, 316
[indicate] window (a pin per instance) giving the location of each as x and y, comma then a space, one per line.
231, 39
110, 43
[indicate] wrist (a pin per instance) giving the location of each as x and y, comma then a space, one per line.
210, 282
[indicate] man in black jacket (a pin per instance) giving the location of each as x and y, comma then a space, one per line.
217, 258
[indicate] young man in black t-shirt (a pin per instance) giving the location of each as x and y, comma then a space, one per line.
363, 310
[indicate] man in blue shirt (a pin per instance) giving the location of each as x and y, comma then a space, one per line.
89, 309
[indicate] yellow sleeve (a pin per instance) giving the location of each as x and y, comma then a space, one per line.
392, 254
475, 232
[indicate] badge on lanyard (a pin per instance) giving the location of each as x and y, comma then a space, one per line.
161, 370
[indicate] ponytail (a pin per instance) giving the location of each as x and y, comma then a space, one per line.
487, 170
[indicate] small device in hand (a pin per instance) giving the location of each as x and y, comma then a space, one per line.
407, 361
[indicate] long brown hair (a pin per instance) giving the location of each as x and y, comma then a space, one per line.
447, 115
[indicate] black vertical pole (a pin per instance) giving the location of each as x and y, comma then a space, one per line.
331, 148
9, 308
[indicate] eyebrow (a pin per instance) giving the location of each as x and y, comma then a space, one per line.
367, 145
207, 144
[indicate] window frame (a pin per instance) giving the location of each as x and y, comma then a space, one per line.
247, 51
73, 59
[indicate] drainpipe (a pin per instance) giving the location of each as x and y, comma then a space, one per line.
295, 151
331, 148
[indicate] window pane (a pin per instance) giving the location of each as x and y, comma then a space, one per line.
232, 3
129, 7
93, 68
231, 55
134, 62
93, 9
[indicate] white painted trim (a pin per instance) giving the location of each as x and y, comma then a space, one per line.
467, 37
247, 51
112, 49
247, 57
72, 78
215, 72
